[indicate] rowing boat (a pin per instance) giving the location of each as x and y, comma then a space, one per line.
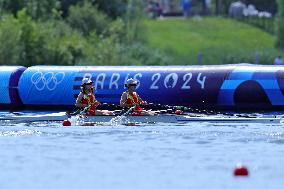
59, 116
162, 118
171, 118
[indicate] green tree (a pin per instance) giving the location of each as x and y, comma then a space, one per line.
133, 21
66, 4
35, 8
10, 36
87, 18
280, 24
113, 8
11, 6
41, 8
222, 6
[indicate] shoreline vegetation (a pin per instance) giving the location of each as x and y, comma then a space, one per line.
211, 40
91, 32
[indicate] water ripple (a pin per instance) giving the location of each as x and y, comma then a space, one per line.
25, 132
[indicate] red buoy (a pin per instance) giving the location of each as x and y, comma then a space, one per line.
241, 170
66, 123
178, 112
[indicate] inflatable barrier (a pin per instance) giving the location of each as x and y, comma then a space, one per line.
9, 78
241, 86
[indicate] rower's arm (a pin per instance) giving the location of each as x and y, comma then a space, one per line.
78, 101
123, 100
141, 102
95, 100
139, 98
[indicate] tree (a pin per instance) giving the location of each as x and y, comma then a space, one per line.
34, 8
280, 24
66, 4
41, 8
222, 6
11, 6
87, 18
113, 8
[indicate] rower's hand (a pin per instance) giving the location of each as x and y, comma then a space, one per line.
132, 105
97, 103
86, 108
144, 103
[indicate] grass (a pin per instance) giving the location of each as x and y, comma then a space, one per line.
219, 40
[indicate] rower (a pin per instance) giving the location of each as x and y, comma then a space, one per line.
87, 100
130, 98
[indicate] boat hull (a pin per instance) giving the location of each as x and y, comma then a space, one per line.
164, 118
185, 118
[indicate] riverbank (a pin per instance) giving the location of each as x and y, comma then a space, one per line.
211, 40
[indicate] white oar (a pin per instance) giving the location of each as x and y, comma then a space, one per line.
78, 111
119, 119
129, 111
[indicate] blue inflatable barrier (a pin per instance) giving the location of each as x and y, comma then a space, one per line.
9, 78
227, 86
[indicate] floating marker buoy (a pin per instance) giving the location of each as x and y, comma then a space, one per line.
178, 112
241, 170
66, 123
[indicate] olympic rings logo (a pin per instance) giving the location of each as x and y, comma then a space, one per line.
48, 80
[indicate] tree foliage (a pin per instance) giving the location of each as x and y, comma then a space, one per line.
113, 8
27, 42
86, 18
280, 24
73, 32
37, 9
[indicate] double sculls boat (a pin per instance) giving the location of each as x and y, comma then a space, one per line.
160, 118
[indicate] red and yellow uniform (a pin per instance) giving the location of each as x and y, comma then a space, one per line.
134, 99
90, 100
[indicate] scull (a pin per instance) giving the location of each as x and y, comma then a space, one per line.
162, 118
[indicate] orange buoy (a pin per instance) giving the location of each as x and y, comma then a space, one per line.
178, 112
241, 170
66, 123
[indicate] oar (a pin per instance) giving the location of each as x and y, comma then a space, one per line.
128, 111
118, 118
78, 111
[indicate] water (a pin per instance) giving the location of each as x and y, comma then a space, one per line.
183, 156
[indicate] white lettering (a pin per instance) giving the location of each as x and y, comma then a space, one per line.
171, 80
201, 81
155, 78
186, 78
114, 80
100, 80
135, 77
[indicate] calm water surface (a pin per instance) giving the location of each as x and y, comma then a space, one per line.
166, 156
